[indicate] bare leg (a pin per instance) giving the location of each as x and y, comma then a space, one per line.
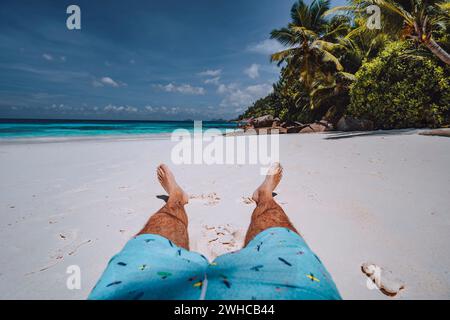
171, 220
268, 213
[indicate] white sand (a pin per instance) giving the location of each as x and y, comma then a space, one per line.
378, 198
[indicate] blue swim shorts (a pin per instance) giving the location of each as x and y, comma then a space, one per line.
276, 264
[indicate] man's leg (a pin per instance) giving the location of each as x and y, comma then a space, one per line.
154, 264
276, 262
268, 214
171, 220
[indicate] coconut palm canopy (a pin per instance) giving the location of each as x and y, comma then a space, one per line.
414, 19
326, 48
307, 38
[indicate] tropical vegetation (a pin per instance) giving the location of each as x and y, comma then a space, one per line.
398, 89
335, 63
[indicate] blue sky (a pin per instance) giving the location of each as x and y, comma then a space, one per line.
137, 60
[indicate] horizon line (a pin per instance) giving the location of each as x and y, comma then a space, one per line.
111, 120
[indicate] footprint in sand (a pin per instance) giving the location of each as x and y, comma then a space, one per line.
69, 248
209, 199
221, 239
247, 200
382, 280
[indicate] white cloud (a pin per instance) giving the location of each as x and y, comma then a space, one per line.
59, 107
67, 109
259, 90
241, 97
127, 109
214, 81
252, 71
184, 89
211, 73
268, 46
110, 82
47, 57
136, 112
107, 81
168, 110
222, 88
96, 83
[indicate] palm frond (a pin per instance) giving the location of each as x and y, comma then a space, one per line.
305, 32
284, 36
345, 76
329, 57
393, 7
445, 6
351, 8
281, 55
326, 45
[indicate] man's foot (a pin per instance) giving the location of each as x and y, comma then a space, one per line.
167, 180
273, 178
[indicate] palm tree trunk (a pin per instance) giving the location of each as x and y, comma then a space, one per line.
437, 50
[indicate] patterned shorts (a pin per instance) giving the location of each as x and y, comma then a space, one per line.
276, 264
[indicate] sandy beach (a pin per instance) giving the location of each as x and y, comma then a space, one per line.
381, 197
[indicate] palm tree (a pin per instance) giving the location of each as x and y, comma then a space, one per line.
309, 51
330, 96
413, 19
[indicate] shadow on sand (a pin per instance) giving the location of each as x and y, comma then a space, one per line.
357, 134
163, 197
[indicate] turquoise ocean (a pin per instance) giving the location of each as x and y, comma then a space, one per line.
10, 128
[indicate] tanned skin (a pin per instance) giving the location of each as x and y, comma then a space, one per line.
268, 213
171, 220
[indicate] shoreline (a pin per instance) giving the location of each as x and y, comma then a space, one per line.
81, 138
236, 133
60, 139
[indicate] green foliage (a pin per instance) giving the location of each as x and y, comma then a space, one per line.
307, 61
263, 106
288, 101
397, 85
423, 21
400, 89
330, 96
